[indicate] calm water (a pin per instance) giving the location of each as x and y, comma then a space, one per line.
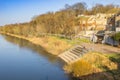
21, 60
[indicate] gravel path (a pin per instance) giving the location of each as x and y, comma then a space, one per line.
101, 48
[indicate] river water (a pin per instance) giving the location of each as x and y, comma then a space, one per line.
22, 60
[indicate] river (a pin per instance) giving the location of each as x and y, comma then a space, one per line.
22, 60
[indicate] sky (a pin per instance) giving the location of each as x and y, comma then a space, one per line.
19, 11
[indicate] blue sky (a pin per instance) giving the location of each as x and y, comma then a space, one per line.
17, 11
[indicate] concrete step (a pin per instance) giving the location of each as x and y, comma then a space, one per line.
69, 56
79, 49
65, 59
75, 56
75, 53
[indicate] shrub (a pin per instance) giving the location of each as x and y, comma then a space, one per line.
80, 68
117, 36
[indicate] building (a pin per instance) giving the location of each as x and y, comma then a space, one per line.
94, 22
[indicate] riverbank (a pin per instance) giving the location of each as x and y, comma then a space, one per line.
51, 44
98, 66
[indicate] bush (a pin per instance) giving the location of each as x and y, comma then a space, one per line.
79, 68
117, 36
90, 63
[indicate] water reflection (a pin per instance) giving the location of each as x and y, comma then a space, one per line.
35, 48
22, 60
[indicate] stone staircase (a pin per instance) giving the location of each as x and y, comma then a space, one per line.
73, 54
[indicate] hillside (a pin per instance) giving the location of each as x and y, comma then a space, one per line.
65, 21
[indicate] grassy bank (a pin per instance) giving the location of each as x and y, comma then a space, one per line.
96, 66
51, 44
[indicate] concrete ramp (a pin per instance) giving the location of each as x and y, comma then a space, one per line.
73, 54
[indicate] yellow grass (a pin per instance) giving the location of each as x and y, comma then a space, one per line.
79, 68
90, 63
51, 44
99, 60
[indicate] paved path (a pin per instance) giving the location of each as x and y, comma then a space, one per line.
101, 48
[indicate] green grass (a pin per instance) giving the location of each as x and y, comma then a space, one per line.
76, 41
79, 41
114, 57
83, 40
117, 36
